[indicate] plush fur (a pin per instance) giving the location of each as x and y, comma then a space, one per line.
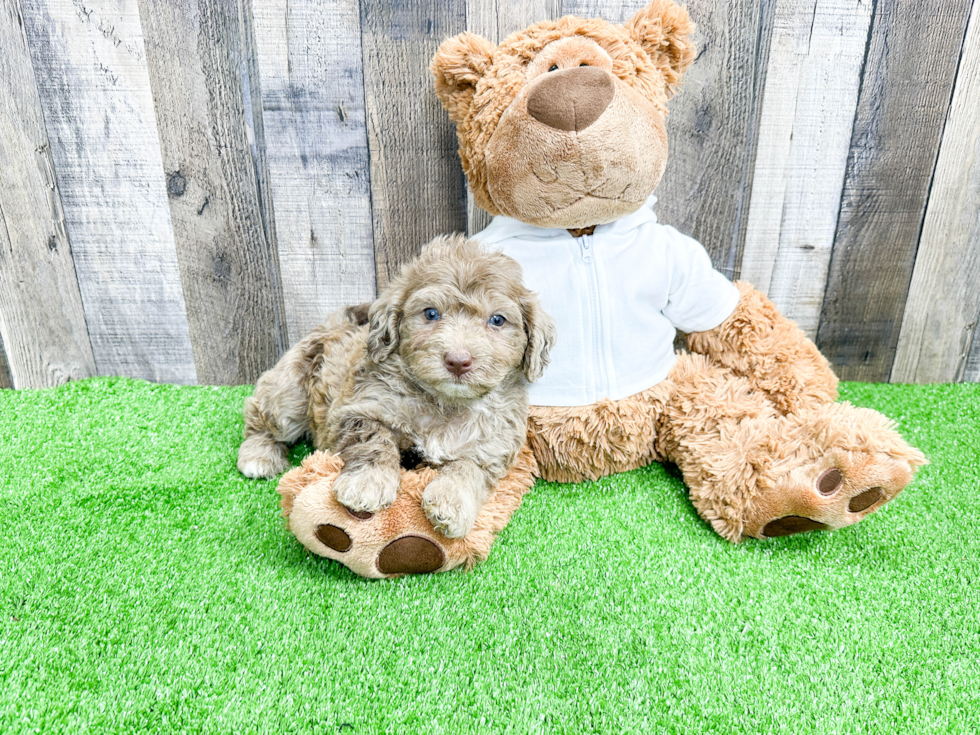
400, 539
563, 126
557, 178
439, 373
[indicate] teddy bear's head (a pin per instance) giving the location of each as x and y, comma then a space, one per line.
563, 124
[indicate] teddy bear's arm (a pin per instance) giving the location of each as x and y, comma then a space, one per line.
761, 345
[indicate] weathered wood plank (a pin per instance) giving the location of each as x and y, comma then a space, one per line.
614, 12
905, 94
229, 270
5, 380
972, 372
42, 322
309, 57
417, 185
254, 120
495, 20
810, 97
941, 312
713, 128
95, 93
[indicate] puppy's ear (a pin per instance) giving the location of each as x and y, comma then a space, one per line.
541, 334
663, 29
457, 66
385, 317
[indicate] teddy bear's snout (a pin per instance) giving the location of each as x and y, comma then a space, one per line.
571, 99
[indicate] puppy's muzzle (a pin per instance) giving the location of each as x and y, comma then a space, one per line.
571, 99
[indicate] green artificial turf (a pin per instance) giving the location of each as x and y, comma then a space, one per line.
148, 587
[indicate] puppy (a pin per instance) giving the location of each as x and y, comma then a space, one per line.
435, 369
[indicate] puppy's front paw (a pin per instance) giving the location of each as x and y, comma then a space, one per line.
368, 489
449, 507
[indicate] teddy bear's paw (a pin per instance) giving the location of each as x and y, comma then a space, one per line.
838, 490
390, 542
399, 539
412, 554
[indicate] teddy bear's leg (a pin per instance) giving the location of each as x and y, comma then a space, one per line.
399, 539
754, 472
758, 343
579, 443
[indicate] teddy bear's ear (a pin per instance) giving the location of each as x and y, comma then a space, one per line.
663, 29
457, 66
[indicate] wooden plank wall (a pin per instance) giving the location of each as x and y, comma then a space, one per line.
940, 327
197, 62
42, 322
187, 186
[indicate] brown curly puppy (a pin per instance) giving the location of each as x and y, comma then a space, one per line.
440, 372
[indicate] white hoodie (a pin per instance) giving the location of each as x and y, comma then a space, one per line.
617, 297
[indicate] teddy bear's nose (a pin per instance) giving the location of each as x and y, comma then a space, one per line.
571, 99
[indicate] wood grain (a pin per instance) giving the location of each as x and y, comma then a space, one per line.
42, 322
810, 98
229, 270
495, 20
614, 12
417, 185
309, 59
254, 120
713, 128
5, 380
905, 94
972, 372
941, 312
95, 93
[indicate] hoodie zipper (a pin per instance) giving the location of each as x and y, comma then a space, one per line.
588, 258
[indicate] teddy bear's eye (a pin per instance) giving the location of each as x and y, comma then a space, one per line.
554, 67
583, 64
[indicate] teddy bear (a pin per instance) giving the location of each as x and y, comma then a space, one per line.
562, 138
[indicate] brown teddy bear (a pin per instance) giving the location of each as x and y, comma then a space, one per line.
562, 136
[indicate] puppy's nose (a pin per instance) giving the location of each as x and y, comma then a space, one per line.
571, 99
459, 362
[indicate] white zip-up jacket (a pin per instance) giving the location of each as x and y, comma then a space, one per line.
617, 296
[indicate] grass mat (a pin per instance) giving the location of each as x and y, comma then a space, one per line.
147, 586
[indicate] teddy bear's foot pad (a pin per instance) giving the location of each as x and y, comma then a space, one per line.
835, 498
334, 537
790, 525
410, 555
865, 500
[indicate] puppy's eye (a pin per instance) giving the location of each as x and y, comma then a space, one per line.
497, 320
553, 67
431, 315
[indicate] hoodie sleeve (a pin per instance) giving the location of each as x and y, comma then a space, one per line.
700, 297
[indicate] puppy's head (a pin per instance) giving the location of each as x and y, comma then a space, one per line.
461, 320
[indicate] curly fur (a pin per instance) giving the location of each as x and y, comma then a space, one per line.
369, 392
